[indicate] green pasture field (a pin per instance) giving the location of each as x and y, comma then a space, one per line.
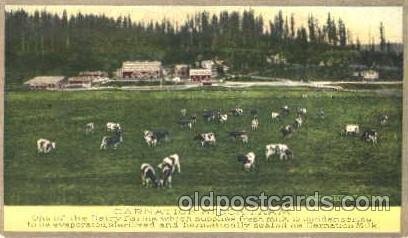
78, 173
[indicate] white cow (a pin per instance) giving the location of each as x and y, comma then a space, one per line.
112, 126
275, 115
244, 138
276, 149
352, 129
223, 118
112, 140
45, 146
254, 124
302, 111
298, 122
173, 161
89, 128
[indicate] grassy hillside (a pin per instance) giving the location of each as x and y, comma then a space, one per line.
78, 173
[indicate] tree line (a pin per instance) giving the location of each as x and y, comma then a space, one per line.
45, 43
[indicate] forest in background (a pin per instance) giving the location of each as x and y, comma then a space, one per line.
46, 44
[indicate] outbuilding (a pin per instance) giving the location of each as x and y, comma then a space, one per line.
46, 82
200, 75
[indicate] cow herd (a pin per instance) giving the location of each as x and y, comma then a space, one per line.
171, 163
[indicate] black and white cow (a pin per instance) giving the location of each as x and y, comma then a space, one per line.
298, 122
321, 114
161, 134
45, 146
112, 140
383, 119
287, 130
278, 149
166, 176
185, 123
148, 176
173, 161
113, 126
285, 110
89, 128
206, 138
242, 135
209, 115
150, 138
237, 111
254, 123
247, 160
301, 111
370, 135
193, 118
222, 118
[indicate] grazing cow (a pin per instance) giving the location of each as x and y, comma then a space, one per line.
222, 117
275, 116
89, 128
352, 129
301, 111
209, 115
161, 134
278, 149
242, 135
173, 161
287, 130
285, 110
166, 176
247, 160
185, 123
45, 146
206, 138
148, 175
298, 122
370, 135
383, 119
112, 126
286, 154
254, 123
321, 114
237, 111
183, 112
150, 139
194, 118
113, 140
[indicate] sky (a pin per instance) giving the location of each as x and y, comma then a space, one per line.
363, 22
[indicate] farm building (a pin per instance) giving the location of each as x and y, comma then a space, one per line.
87, 79
46, 82
277, 59
210, 65
200, 75
370, 75
181, 71
94, 74
141, 70
366, 74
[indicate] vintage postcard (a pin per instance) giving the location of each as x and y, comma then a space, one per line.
191, 119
